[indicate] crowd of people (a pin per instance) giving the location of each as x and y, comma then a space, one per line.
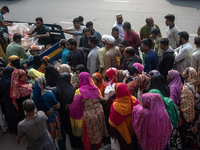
125, 91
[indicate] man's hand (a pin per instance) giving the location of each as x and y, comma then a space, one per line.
38, 36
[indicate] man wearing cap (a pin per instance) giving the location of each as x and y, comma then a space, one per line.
113, 55
119, 25
101, 55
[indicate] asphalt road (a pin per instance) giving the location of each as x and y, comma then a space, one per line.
102, 14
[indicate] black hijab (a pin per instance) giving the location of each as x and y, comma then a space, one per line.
36, 61
51, 75
158, 82
6, 79
64, 90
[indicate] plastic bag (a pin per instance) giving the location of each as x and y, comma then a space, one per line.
109, 91
114, 144
32, 28
24, 27
12, 30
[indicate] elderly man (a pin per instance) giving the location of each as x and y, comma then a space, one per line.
115, 34
113, 54
119, 25
109, 55
146, 30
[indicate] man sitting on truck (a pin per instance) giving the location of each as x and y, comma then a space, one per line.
43, 33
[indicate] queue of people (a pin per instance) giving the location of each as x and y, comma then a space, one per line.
120, 91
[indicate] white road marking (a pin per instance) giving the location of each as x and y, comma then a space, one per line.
115, 1
66, 22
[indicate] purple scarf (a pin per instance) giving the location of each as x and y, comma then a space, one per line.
86, 86
175, 86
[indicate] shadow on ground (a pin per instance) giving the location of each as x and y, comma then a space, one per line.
186, 3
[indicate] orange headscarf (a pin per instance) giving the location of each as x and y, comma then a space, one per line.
101, 84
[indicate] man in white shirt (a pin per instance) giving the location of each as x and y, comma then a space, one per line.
119, 25
183, 53
172, 31
77, 27
196, 55
93, 60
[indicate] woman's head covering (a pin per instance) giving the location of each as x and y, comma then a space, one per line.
119, 76
111, 74
19, 88
80, 67
87, 87
170, 108
139, 67
37, 62
153, 72
192, 75
38, 90
64, 90
51, 75
14, 61
120, 113
6, 77
45, 62
64, 68
151, 118
158, 82
34, 74
140, 81
175, 86
101, 84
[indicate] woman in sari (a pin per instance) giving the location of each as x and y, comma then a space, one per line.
138, 85
175, 86
11, 111
158, 82
64, 92
151, 118
86, 113
32, 73
98, 80
187, 104
174, 141
19, 90
120, 118
46, 101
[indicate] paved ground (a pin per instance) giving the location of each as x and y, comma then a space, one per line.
102, 14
